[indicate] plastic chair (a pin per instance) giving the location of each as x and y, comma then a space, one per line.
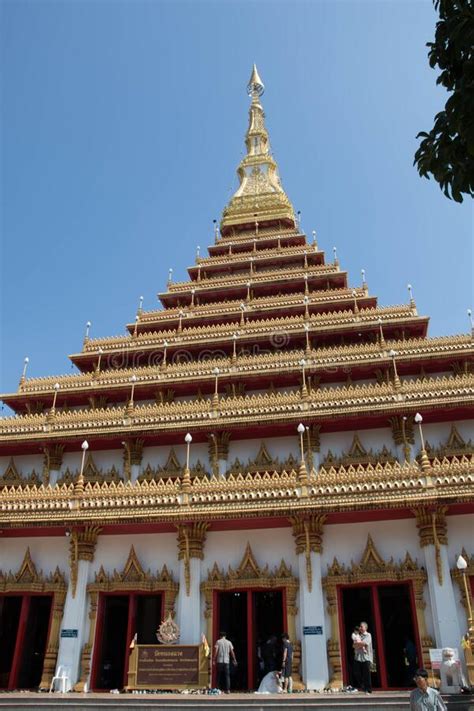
63, 677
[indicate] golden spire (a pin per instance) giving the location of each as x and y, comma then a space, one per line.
260, 197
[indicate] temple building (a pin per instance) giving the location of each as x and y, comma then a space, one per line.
269, 451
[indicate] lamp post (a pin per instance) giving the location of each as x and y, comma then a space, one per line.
99, 361
249, 284
382, 339
180, 321
215, 398
198, 253
461, 565
170, 275
140, 305
306, 288
135, 328
165, 350
242, 319
234, 347
53, 407
216, 230
74, 503
303, 472
25, 366
406, 446
364, 283
410, 293
356, 307
306, 307
471, 321
334, 251
304, 390
315, 244
305, 261
193, 292
308, 345
186, 479
130, 403
88, 328
396, 379
251, 266
425, 462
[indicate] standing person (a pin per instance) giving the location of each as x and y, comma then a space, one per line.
363, 658
223, 653
424, 698
287, 663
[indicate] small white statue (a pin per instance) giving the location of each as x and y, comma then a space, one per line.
450, 672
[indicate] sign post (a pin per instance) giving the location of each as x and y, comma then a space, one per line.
167, 666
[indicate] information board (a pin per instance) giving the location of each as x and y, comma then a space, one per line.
163, 666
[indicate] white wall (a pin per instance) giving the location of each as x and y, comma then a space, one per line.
46, 553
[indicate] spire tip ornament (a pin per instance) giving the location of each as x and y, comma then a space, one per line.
260, 199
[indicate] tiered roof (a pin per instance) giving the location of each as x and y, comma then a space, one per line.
264, 332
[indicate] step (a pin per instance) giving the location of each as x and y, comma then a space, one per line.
384, 701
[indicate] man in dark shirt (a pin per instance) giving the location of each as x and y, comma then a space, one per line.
287, 664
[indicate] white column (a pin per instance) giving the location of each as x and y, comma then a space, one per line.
53, 476
189, 607
443, 599
74, 618
134, 472
314, 658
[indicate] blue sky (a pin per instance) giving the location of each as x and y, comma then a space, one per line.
122, 126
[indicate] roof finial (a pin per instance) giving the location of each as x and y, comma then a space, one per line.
255, 87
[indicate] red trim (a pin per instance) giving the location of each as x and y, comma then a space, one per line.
414, 621
250, 641
97, 650
20, 638
131, 629
380, 652
216, 604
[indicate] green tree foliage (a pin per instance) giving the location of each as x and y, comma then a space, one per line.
447, 151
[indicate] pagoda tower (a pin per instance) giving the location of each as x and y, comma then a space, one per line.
203, 458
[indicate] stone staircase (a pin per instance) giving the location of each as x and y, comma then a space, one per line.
389, 701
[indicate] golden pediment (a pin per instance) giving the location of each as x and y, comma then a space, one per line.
372, 567
133, 576
248, 573
12, 477
358, 454
263, 462
28, 578
455, 446
91, 473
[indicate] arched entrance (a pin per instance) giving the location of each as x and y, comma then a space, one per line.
251, 603
389, 597
31, 609
122, 605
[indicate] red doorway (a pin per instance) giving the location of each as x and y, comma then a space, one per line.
249, 618
24, 630
389, 610
121, 616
